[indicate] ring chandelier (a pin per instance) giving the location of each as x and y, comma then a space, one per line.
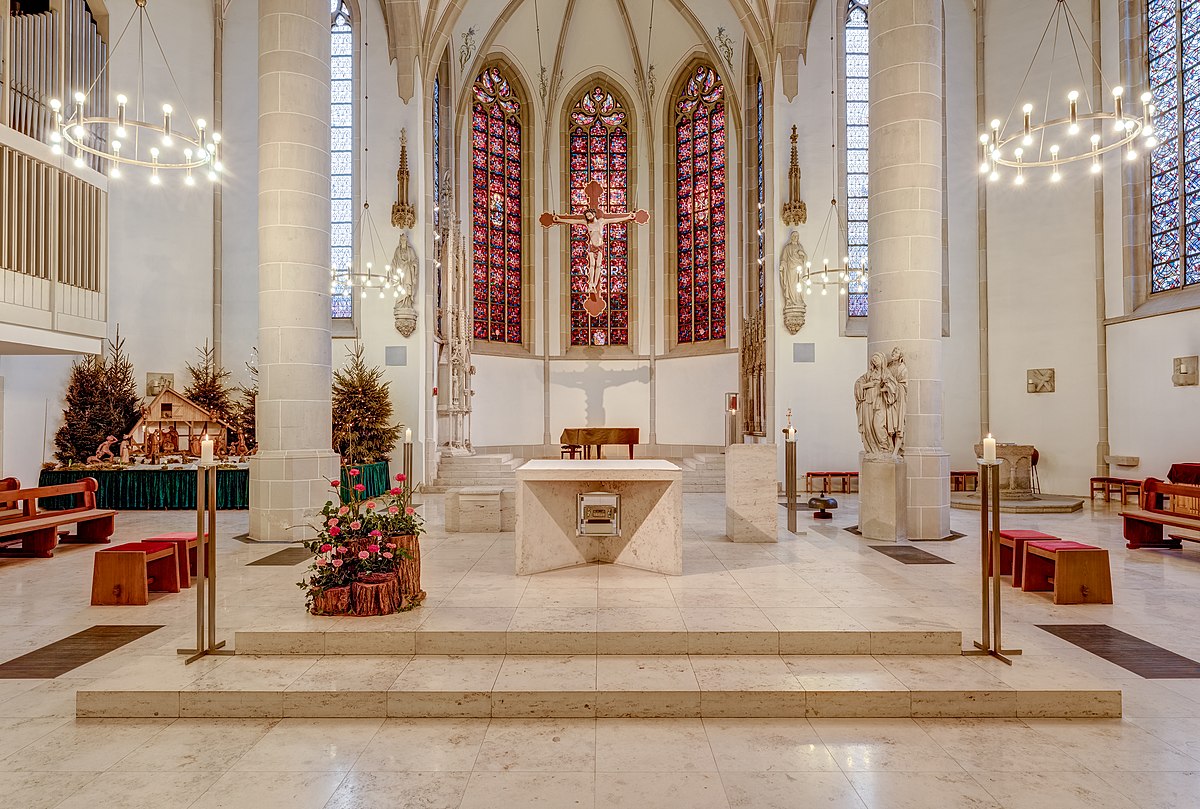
366, 238
827, 275
128, 139
1055, 142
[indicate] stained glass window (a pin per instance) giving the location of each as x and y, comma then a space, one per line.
341, 153
760, 216
700, 206
1174, 52
599, 150
436, 150
496, 218
857, 136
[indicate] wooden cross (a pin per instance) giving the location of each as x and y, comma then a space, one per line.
595, 219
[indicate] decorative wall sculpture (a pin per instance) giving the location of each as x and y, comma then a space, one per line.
881, 400
753, 363
1039, 380
407, 273
791, 268
795, 211
404, 216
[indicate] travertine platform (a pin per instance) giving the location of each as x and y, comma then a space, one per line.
1040, 504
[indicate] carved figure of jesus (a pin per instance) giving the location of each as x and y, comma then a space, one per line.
595, 220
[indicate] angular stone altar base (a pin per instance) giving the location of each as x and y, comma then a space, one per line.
1036, 504
751, 507
287, 488
651, 521
883, 509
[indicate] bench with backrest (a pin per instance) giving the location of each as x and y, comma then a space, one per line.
1077, 573
1122, 487
846, 481
1144, 526
22, 521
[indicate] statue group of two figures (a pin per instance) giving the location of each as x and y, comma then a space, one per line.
881, 402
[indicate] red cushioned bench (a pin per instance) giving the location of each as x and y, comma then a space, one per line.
1012, 551
187, 553
126, 574
1077, 573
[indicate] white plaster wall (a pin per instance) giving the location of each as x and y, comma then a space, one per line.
33, 388
599, 394
691, 398
509, 401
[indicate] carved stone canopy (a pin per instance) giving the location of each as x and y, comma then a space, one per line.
795, 211
404, 215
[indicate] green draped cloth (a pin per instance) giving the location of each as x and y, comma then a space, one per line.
175, 489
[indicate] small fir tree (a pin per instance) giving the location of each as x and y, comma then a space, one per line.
245, 408
362, 412
209, 387
101, 399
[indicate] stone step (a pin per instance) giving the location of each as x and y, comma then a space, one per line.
474, 460
518, 686
350, 637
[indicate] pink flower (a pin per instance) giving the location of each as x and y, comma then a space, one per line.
354, 526
344, 510
410, 511
373, 548
376, 533
393, 509
326, 548
334, 531
387, 555
395, 490
391, 545
333, 521
341, 549
336, 563
354, 473
400, 477
358, 487
363, 554
334, 484
370, 504
321, 561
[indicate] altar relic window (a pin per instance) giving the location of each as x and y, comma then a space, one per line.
599, 150
341, 153
496, 215
1173, 49
857, 84
700, 163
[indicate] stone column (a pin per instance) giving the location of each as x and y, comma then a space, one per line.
289, 475
905, 251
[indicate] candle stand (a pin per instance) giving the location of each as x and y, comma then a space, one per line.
989, 563
206, 567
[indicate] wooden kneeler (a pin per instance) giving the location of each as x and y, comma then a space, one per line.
126, 574
1077, 573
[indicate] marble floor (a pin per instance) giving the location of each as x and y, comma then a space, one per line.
826, 578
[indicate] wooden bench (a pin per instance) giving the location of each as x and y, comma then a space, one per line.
187, 550
125, 574
1077, 573
1012, 551
1122, 487
847, 481
38, 531
1144, 526
959, 481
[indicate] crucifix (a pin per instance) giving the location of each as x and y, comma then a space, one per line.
595, 220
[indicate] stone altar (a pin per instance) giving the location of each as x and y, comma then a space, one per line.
751, 493
883, 504
651, 515
1016, 473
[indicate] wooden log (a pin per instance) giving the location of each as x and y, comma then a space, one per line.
408, 568
375, 594
334, 601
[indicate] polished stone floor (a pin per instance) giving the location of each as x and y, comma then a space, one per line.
827, 578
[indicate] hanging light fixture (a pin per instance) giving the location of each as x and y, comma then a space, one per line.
1040, 141
130, 138
836, 274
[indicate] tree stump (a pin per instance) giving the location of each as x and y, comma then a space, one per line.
334, 601
376, 594
408, 569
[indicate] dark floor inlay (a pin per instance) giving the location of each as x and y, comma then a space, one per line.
910, 555
284, 558
1129, 652
72, 652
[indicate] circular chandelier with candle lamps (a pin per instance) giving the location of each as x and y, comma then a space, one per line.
129, 139
830, 274
1051, 143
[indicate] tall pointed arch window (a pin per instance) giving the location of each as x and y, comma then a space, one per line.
341, 154
435, 149
700, 164
496, 215
760, 216
598, 147
857, 84
1172, 48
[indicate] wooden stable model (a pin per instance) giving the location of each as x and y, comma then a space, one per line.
173, 424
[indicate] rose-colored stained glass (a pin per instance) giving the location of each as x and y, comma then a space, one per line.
598, 144
700, 207
496, 216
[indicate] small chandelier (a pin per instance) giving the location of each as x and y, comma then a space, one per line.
1055, 142
369, 274
830, 274
131, 139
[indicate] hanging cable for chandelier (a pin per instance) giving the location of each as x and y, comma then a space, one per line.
128, 139
1054, 142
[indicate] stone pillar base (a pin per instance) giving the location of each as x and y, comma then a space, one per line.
751, 493
287, 489
928, 493
883, 498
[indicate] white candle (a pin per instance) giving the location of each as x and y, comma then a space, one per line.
791, 434
989, 449
206, 451
408, 435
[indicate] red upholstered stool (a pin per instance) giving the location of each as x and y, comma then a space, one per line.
1077, 573
186, 540
126, 574
1012, 551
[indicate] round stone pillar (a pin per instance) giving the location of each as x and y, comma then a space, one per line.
905, 237
290, 474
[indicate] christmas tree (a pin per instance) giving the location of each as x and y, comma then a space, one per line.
245, 408
209, 387
102, 400
362, 412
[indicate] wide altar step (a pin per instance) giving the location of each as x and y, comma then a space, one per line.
550, 686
